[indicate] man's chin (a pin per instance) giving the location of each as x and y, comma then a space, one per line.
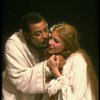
39, 46
43, 46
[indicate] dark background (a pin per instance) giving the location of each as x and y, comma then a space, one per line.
84, 14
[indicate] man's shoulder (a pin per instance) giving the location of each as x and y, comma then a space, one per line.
17, 36
16, 39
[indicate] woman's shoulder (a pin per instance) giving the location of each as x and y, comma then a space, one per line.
77, 57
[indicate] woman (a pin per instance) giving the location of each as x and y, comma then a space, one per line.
76, 80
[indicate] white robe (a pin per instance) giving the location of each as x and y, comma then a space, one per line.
21, 80
73, 83
24, 77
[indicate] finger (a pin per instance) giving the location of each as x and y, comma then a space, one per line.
57, 59
53, 58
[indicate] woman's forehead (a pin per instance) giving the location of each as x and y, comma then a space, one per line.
54, 33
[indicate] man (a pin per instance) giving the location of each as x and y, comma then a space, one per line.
21, 81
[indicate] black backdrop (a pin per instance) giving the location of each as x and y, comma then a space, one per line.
84, 14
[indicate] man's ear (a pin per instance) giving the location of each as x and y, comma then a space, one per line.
49, 34
26, 35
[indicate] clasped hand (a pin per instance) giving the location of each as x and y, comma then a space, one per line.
56, 62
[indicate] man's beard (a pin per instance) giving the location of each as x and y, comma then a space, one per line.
43, 45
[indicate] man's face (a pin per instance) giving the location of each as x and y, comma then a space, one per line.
39, 34
55, 44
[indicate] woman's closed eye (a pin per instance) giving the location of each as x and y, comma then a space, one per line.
56, 40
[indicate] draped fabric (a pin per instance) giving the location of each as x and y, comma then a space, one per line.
21, 79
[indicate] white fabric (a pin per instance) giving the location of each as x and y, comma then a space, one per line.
23, 77
53, 87
56, 85
75, 86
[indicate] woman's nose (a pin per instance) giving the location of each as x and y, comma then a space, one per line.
51, 42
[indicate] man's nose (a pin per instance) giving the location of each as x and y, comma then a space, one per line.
45, 34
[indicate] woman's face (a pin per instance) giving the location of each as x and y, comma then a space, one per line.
55, 44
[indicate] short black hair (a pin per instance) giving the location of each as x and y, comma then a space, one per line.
30, 18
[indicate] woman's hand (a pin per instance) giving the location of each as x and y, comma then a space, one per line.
54, 63
61, 61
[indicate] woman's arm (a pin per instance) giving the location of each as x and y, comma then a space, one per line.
72, 88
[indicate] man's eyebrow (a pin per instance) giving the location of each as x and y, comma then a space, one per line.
46, 27
40, 30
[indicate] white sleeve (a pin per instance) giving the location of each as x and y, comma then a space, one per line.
61, 83
78, 80
25, 78
72, 88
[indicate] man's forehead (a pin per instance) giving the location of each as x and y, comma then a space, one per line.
38, 26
